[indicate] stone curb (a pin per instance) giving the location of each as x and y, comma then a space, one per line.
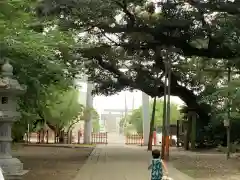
89, 165
176, 174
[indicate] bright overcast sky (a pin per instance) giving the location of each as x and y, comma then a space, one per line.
118, 101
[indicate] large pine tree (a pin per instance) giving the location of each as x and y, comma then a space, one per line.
128, 41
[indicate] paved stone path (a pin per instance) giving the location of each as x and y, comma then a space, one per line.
120, 163
116, 139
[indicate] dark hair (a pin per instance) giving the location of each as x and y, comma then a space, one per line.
156, 154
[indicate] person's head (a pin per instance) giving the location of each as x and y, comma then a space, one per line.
156, 154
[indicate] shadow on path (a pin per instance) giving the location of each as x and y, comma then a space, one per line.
120, 162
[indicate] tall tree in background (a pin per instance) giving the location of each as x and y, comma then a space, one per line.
61, 107
40, 60
225, 98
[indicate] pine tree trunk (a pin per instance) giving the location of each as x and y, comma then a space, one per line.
61, 136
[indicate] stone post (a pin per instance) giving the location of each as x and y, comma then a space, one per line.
145, 118
9, 89
88, 120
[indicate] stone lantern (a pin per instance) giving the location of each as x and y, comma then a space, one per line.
9, 89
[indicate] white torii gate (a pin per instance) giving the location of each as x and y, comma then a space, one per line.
145, 115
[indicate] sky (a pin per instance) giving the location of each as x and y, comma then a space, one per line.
133, 99
117, 101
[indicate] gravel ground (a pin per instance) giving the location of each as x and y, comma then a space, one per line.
51, 163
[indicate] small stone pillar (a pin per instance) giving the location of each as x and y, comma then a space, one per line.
9, 89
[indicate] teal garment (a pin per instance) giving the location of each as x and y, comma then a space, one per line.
156, 167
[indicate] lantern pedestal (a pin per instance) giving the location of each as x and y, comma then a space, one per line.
12, 168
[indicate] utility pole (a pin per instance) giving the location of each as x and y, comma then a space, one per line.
164, 114
228, 122
125, 108
167, 143
28, 133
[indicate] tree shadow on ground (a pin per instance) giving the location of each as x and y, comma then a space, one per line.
206, 165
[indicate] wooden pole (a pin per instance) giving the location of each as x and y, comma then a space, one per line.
168, 113
228, 118
193, 121
178, 127
164, 115
151, 126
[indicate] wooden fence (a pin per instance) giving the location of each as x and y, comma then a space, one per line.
137, 139
134, 139
100, 138
50, 137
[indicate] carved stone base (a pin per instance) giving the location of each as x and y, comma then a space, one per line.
12, 168
18, 176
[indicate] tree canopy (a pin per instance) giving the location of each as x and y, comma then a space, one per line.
139, 36
41, 62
